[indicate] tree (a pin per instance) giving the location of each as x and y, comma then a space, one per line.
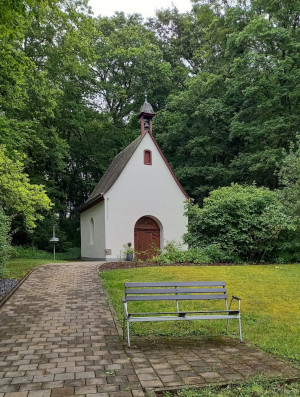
239, 107
245, 221
288, 249
4, 238
18, 197
289, 178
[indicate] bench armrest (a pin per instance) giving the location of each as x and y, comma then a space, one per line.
125, 307
239, 302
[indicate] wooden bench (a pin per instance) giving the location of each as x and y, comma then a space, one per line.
177, 292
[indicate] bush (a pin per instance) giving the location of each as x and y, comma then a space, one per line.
34, 253
245, 222
174, 253
5, 249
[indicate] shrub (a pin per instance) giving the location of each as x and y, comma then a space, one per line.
34, 253
244, 221
5, 248
174, 253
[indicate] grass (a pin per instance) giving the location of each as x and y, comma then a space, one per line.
270, 303
18, 268
27, 258
255, 387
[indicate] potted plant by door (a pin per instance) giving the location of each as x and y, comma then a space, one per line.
129, 252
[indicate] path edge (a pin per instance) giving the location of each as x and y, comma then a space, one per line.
15, 288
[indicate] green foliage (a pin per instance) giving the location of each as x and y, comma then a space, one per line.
5, 249
239, 106
253, 387
289, 178
288, 247
174, 253
34, 253
18, 197
245, 221
24, 259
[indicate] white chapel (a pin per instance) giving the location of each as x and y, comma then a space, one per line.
138, 200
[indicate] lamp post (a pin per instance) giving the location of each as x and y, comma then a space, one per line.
54, 240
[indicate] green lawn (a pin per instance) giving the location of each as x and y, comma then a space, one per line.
270, 303
19, 267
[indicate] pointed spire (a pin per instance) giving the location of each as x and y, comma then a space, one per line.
146, 115
147, 107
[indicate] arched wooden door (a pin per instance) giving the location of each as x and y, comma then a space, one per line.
146, 237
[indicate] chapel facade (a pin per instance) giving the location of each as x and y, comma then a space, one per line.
138, 200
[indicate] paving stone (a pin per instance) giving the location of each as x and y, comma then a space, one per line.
107, 388
85, 375
85, 389
13, 374
22, 379
8, 388
97, 395
63, 392
31, 386
138, 393
74, 382
152, 383
150, 376
39, 393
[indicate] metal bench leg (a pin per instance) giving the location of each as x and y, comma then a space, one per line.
123, 327
240, 327
128, 336
227, 324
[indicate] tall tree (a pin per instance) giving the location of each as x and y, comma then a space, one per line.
239, 111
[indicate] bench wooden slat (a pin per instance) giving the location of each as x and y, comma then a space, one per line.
174, 297
176, 318
176, 284
173, 290
229, 312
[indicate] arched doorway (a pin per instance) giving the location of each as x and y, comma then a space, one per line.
146, 237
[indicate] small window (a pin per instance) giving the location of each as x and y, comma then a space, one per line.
147, 157
92, 231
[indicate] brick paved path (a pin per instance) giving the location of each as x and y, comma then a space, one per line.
58, 338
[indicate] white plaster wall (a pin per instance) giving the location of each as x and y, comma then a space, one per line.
96, 250
143, 190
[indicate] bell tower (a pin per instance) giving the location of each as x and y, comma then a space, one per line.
146, 115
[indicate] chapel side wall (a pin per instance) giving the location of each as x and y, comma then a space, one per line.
143, 190
95, 251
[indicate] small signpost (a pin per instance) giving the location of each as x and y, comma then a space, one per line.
54, 240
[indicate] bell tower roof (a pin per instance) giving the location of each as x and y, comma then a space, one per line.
146, 108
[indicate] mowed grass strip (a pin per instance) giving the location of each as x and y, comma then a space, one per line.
19, 267
270, 303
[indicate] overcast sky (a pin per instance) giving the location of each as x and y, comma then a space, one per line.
146, 8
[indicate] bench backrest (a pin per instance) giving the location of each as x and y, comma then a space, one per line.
183, 290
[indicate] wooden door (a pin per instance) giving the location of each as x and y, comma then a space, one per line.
146, 237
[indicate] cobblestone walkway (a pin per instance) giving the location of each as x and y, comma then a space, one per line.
58, 338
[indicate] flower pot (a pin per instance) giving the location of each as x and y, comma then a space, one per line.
129, 256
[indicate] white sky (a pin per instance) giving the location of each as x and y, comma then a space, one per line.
145, 7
